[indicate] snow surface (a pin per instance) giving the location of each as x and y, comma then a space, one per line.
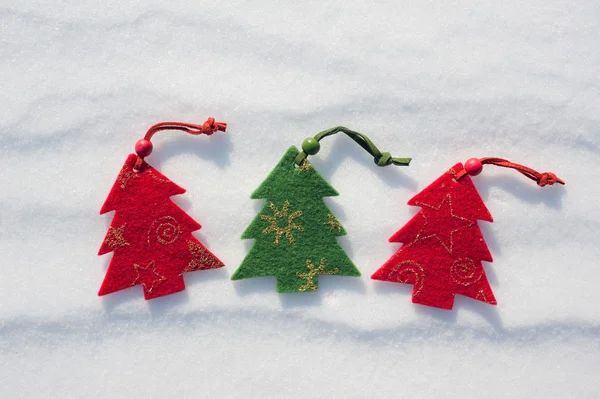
82, 81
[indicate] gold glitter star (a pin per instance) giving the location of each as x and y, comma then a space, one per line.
312, 273
114, 238
443, 213
283, 214
147, 273
304, 166
333, 223
201, 259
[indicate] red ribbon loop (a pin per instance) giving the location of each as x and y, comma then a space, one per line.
542, 179
208, 128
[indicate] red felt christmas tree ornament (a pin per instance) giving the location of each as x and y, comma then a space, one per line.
443, 246
150, 236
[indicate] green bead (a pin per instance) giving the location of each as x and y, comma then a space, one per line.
311, 146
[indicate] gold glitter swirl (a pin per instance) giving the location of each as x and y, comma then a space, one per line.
406, 270
282, 214
114, 238
166, 229
333, 223
201, 259
312, 273
465, 272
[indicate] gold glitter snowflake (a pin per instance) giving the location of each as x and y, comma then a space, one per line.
282, 214
312, 273
333, 223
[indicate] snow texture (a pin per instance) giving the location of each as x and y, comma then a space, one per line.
83, 80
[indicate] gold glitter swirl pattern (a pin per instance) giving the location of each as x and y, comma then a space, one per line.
465, 272
114, 238
166, 230
201, 258
284, 214
312, 273
333, 223
409, 270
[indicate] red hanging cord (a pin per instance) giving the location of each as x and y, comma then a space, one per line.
143, 147
208, 127
542, 179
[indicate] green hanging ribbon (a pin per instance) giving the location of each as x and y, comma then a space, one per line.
311, 146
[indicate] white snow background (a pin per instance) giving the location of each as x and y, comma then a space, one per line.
81, 81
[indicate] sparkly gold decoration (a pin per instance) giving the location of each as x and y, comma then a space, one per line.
448, 240
114, 238
465, 272
407, 269
201, 259
481, 296
166, 229
304, 166
159, 179
333, 223
312, 273
125, 175
148, 271
283, 214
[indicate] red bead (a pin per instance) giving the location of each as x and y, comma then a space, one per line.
473, 166
143, 148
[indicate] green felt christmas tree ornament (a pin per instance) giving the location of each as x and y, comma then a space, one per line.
295, 232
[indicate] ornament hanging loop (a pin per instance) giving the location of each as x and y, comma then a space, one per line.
311, 146
208, 127
144, 147
473, 167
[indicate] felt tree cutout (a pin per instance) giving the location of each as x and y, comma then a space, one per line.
443, 246
293, 232
296, 234
150, 236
